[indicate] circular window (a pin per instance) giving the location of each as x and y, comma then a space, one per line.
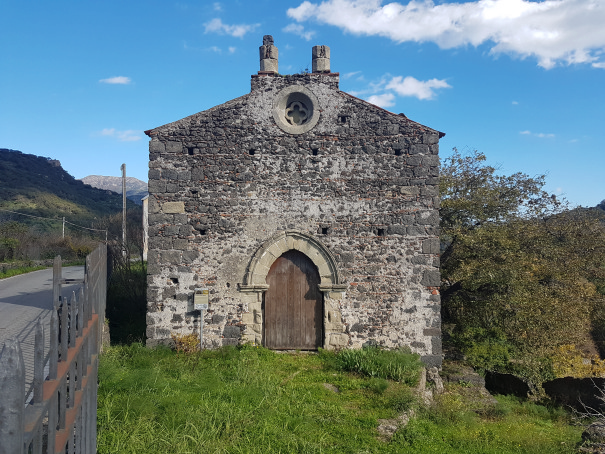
296, 109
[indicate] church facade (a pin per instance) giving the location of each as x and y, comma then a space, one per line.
299, 217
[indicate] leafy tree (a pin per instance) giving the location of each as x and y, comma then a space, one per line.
12, 235
519, 271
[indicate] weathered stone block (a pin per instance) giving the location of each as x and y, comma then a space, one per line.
415, 230
180, 243
432, 360
173, 207
184, 175
169, 174
171, 257
409, 190
156, 187
231, 331
174, 147
431, 278
180, 219
419, 149
428, 218
397, 229
431, 246
190, 256
338, 340
155, 146
431, 331
430, 138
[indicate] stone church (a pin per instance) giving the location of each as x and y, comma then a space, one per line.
301, 217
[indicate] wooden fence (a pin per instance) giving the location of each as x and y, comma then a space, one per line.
61, 417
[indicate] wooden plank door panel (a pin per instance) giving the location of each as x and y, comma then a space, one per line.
293, 304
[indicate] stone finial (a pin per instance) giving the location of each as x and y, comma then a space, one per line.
268, 55
321, 59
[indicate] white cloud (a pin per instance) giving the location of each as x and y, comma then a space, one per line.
384, 91
129, 135
237, 31
541, 135
411, 86
215, 49
552, 31
299, 30
515, 103
119, 80
216, 6
349, 75
232, 49
383, 100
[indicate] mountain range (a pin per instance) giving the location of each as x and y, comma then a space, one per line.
135, 188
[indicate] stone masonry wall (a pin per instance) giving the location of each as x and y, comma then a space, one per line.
363, 182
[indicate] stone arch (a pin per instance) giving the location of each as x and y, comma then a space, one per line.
254, 285
292, 239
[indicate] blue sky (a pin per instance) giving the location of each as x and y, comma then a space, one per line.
521, 81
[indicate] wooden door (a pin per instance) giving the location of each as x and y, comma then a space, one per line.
293, 304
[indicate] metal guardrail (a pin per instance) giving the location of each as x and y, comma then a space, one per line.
62, 415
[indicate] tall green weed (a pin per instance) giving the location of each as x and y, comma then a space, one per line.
399, 365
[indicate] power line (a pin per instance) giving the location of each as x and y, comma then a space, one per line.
56, 220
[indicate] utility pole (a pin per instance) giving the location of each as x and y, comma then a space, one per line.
123, 169
63, 226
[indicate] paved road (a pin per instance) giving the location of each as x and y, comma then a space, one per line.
25, 298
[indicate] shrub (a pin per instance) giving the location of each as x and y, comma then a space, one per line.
569, 362
486, 349
186, 343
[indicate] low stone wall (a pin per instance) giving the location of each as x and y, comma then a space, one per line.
568, 391
576, 392
498, 383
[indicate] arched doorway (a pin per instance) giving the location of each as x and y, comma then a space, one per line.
293, 315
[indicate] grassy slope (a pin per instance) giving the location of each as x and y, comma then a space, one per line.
32, 185
252, 400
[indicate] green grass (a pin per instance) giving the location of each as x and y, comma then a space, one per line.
10, 272
252, 400
10, 269
512, 426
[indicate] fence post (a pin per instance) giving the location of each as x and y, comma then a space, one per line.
38, 362
12, 384
67, 398
57, 276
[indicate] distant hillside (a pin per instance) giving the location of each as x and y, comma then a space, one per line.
135, 188
39, 186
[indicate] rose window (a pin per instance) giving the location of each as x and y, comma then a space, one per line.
296, 109
297, 113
